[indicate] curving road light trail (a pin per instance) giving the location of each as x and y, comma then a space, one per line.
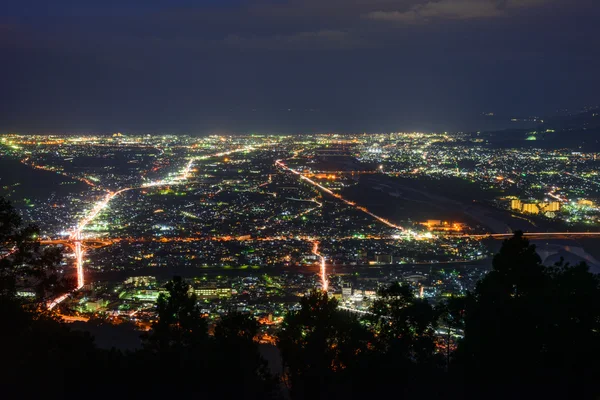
9, 253
75, 235
98, 207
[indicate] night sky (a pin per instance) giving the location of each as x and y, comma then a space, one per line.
227, 66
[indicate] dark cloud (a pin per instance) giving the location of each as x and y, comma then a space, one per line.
455, 10
201, 66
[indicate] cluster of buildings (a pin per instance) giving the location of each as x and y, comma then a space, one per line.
268, 297
548, 208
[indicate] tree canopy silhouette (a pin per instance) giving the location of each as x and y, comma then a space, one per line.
320, 346
24, 263
531, 329
405, 325
178, 349
179, 325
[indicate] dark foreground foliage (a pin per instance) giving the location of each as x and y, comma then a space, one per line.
530, 331
44, 358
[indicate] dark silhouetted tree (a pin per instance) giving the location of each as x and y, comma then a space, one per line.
24, 263
237, 355
321, 348
531, 330
180, 327
405, 359
178, 350
41, 356
405, 324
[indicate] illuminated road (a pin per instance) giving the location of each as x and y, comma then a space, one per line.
75, 236
8, 253
281, 164
58, 300
323, 271
303, 213
76, 233
88, 243
185, 173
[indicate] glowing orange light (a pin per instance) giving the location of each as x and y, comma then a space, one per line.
323, 271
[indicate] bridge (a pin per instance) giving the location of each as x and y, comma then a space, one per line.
536, 235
